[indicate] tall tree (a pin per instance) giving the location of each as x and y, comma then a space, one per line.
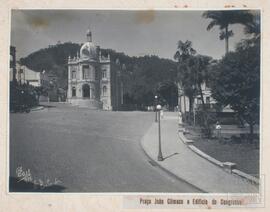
238, 83
253, 27
184, 50
253, 31
225, 18
186, 79
199, 65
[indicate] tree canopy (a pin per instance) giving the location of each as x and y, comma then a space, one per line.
223, 19
192, 71
237, 82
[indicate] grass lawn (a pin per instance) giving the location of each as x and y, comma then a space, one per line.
244, 154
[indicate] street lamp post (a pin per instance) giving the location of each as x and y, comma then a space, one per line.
156, 108
160, 157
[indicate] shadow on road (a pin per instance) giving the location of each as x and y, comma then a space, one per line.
176, 153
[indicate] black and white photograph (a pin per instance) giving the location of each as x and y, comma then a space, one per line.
135, 101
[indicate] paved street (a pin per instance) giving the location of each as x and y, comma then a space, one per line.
87, 150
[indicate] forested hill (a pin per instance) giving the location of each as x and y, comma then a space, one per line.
57, 55
52, 59
141, 74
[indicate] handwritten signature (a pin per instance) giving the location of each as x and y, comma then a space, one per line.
26, 176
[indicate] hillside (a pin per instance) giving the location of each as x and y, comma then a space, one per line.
141, 75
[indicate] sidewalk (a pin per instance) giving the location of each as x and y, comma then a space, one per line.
182, 162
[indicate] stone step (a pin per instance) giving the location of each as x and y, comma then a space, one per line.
86, 103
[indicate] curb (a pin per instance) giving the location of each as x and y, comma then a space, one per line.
216, 162
166, 170
204, 155
244, 175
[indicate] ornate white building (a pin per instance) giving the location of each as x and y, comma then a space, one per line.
89, 77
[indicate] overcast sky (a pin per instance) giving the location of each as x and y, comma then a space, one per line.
136, 33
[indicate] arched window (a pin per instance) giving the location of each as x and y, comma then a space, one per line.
73, 91
104, 74
104, 90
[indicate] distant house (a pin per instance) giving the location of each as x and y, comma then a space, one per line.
209, 101
184, 100
24, 75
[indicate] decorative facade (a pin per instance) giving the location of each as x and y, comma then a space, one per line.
89, 78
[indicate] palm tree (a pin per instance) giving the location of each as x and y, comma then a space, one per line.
253, 31
186, 80
184, 50
200, 67
225, 18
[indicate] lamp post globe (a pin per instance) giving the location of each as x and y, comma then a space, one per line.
156, 97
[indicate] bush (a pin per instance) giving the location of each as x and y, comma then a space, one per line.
22, 98
206, 125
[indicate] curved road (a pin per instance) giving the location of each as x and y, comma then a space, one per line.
87, 151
